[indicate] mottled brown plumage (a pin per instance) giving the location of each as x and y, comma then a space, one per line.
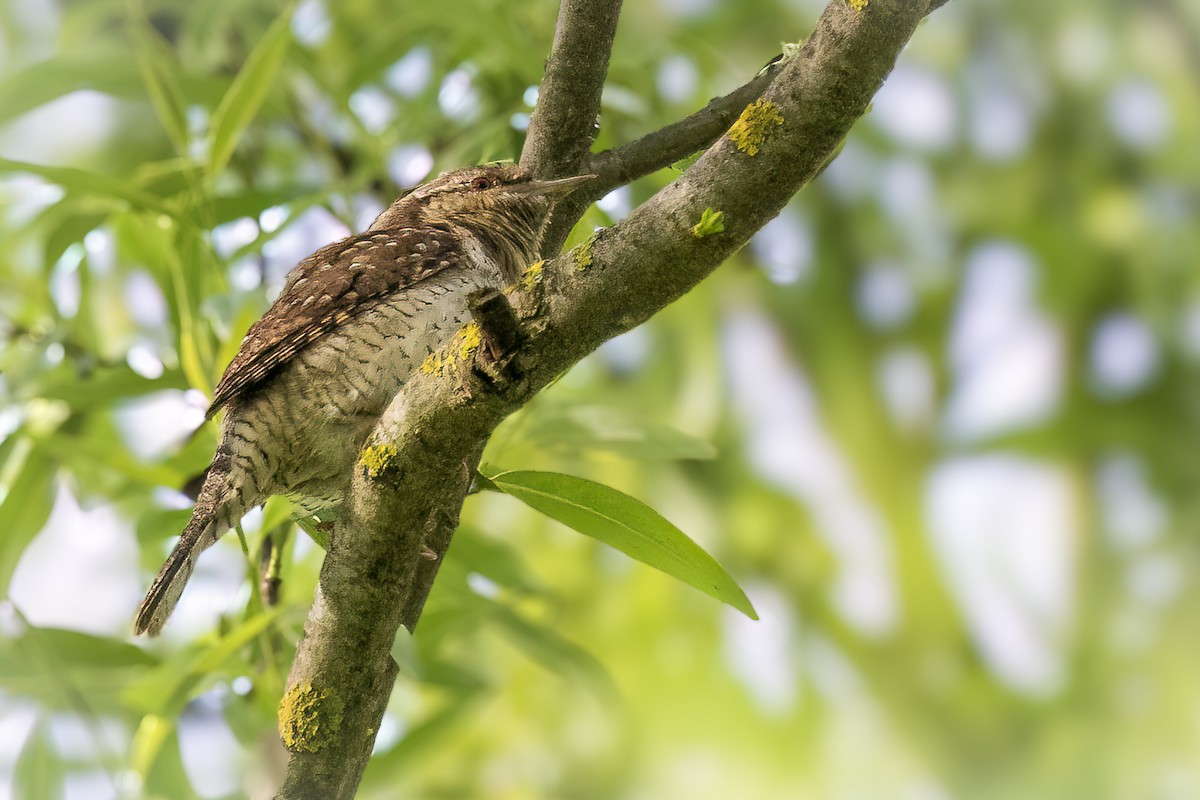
314, 374
324, 291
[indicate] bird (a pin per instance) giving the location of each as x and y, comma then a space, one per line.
353, 320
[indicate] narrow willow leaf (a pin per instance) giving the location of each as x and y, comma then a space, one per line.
165, 775
167, 688
90, 455
556, 653
423, 662
247, 93
310, 525
67, 222
191, 361
625, 523
252, 202
39, 662
278, 511
47, 80
155, 527
96, 183
38, 771
495, 560
613, 430
152, 732
157, 68
81, 651
26, 505
422, 741
106, 386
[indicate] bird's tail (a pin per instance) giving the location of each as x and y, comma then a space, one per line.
164, 593
217, 508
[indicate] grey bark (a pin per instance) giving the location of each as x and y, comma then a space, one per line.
565, 119
404, 507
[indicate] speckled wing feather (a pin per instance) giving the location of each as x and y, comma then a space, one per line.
331, 286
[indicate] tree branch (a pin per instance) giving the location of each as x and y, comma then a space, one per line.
564, 120
652, 152
665, 146
411, 479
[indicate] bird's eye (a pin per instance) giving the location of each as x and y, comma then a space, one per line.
480, 183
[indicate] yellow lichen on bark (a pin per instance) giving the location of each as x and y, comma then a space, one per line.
532, 276
582, 252
456, 351
377, 459
308, 719
755, 124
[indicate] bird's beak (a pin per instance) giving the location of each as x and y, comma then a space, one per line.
557, 186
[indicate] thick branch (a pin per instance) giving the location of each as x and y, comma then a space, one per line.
381, 563
412, 479
564, 121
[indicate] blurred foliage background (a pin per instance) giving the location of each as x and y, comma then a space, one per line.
939, 418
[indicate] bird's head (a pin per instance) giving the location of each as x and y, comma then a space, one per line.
501, 205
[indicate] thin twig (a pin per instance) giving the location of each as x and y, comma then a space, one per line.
665, 146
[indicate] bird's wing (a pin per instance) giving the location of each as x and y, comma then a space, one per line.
331, 286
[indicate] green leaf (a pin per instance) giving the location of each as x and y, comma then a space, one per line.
493, 559
39, 771
81, 650
155, 527
105, 386
278, 511
152, 733
26, 505
88, 455
310, 525
711, 222
252, 202
613, 430
165, 776
421, 742
167, 689
51, 665
158, 70
68, 222
193, 355
47, 80
95, 183
555, 653
625, 523
419, 663
247, 93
